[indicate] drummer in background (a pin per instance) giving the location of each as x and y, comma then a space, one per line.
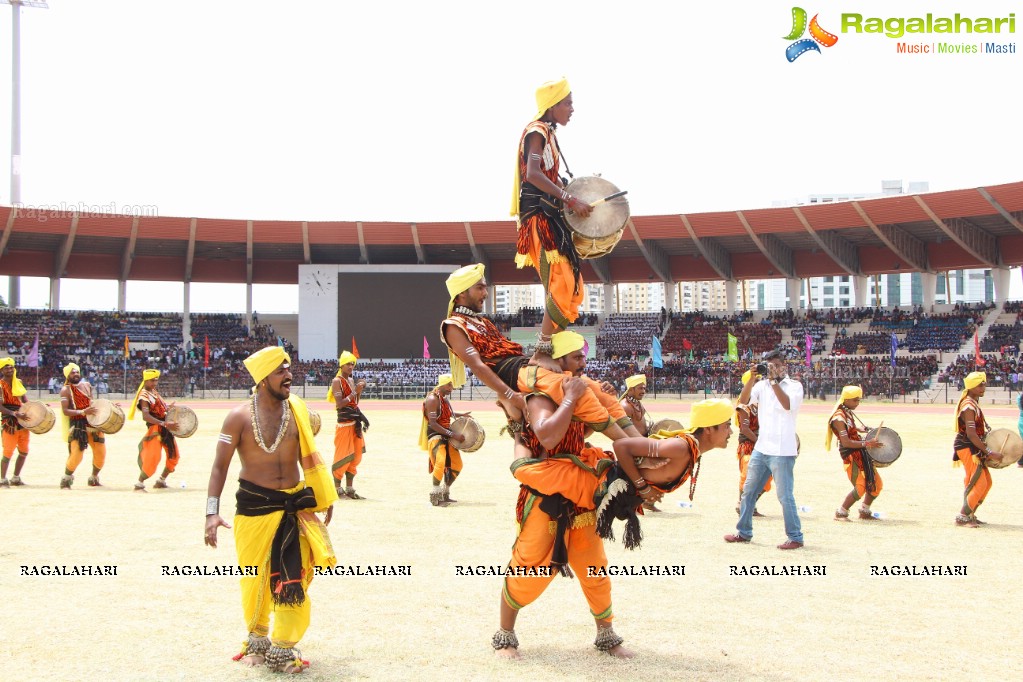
435, 437
544, 240
158, 436
971, 452
859, 468
15, 436
632, 403
75, 407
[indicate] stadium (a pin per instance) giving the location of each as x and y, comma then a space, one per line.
104, 581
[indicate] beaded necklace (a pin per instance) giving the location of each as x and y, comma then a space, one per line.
285, 420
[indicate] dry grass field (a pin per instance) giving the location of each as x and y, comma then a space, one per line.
705, 625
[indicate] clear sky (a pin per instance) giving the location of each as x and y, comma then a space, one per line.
411, 110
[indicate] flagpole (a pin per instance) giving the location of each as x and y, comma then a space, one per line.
39, 391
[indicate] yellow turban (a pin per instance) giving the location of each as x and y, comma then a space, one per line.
146, 376
972, 380
459, 281
710, 413
565, 343
17, 388
635, 380
71, 367
848, 393
261, 363
547, 95
443, 379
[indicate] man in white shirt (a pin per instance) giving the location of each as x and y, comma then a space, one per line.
778, 398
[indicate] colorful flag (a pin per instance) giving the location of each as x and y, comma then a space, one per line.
895, 347
656, 356
687, 344
206, 351
809, 349
32, 360
355, 349
977, 360
426, 348
733, 349
126, 349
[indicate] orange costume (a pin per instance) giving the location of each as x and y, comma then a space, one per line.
555, 531
15, 436
81, 436
861, 471
595, 408
349, 442
157, 437
745, 449
978, 477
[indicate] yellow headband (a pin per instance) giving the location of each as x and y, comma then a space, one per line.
346, 357
71, 367
850, 392
549, 94
974, 379
17, 388
443, 380
565, 343
261, 363
146, 376
635, 380
710, 413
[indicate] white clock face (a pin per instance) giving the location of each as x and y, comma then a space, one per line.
320, 283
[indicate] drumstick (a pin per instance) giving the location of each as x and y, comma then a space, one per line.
609, 197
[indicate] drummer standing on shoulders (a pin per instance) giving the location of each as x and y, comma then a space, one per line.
15, 436
349, 441
75, 406
852, 446
544, 240
971, 452
435, 438
158, 436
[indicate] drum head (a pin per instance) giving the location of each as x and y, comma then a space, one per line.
1008, 443
606, 218
665, 425
186, 419
35, 413
315, 421
104, 408
890, 448
473, 432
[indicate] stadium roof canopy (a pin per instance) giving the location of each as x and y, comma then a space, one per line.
968, 228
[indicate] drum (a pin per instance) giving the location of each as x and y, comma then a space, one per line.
108, 418
665, 425
39, 418
890, 448
473, 432
315, 421
597, 234
1007, 442
186, 419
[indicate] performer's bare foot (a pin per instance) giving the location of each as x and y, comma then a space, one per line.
621, 652
252, 660
140, 488
867, 516
966, 521
509, 653
545, 361
650, 507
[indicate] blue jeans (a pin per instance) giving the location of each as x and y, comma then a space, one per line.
762, 466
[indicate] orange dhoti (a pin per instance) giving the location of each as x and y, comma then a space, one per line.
562, 287
15, 441
95, 440
534, 549
745, 451
443, 456
977, 479
348, 450
573, 477
857, 476
150, 449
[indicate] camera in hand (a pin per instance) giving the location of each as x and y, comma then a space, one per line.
762, 369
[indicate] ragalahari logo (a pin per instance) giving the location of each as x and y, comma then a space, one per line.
817, 35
